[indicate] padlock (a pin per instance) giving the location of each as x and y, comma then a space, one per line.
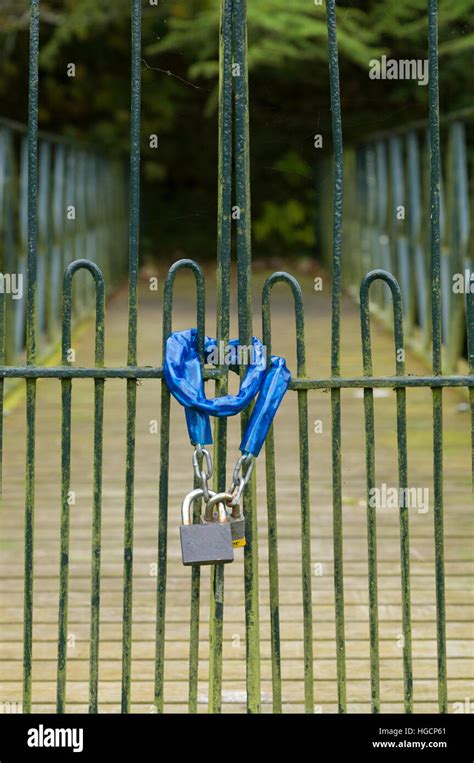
234, 517
205, 542
237, 526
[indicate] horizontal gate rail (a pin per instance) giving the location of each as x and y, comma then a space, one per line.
149, 372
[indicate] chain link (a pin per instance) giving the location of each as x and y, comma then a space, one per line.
201, 456
240, 478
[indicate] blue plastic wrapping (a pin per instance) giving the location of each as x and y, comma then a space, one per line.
183, 374
272, 391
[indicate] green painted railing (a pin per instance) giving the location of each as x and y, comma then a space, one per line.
387, 225
81, 212
345, 262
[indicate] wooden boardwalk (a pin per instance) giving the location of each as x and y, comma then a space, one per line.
458, 533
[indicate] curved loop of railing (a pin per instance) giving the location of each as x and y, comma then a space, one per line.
184, 264
98, 277
293, 284
281, 277
392, 283
66, 495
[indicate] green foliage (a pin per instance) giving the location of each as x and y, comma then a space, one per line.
289, 96
280, 33
284, 224
406, 19
78, 20
287, 227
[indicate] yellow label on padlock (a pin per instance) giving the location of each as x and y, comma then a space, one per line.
238, 543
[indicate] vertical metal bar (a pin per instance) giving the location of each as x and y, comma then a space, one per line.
66, 400
194, 625
134, 223
66, 394
215, 636
196, 570
403, 485
162, 543
273, 566
132, 351
435, 152
272, 519
33, 81
335, 351
97, 495
224, 189
224, 236
305, 504
371, 509
404, 519
244, 274
31, 349
305, 513
163, 515
163, 499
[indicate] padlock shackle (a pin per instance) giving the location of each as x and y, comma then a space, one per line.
188, 501
214, 498
217, 498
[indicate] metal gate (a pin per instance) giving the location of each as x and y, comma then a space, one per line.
234, 189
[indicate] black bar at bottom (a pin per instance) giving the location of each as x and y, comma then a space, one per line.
92, 737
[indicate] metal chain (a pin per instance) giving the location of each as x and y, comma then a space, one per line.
240, 478
200, 456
